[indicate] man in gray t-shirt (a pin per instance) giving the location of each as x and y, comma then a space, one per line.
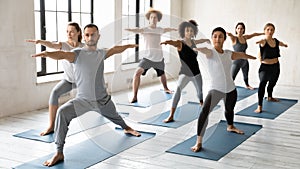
91, 91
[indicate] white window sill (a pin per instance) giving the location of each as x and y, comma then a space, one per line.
49, 78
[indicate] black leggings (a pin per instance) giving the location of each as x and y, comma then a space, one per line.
267, 73
212, 99
240, 64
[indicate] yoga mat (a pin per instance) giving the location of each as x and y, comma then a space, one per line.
217, 141
183, 115
243, 92
271, 110
149, 99
87, 121
92, 151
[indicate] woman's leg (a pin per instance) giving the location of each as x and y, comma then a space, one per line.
263, 77
183, 80
60, 88
197, 81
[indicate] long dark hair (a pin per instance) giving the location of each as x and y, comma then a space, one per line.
77, 27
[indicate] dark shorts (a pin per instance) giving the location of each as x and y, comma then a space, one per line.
159, 67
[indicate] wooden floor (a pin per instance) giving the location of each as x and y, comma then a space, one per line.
276, 145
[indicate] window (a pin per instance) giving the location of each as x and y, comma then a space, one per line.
133, 16
51, 19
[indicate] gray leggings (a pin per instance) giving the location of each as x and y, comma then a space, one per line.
240, 64
59, 89
77, 107
183, 80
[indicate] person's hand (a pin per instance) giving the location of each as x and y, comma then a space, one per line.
32, 41
42, 54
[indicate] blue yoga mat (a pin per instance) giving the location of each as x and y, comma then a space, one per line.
217, 141
183, 115
149, 99
243, 92
92, 151
270, 109
87, 121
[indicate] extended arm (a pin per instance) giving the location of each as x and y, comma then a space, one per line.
135, 30
169, 29
253, 35
241, 55
198, 41
232, 37
283, 44
177, 44
207, 52
57, 55
119, 49
261, 42
53, 45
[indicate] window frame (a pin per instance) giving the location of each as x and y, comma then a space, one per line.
137, 36
42, 11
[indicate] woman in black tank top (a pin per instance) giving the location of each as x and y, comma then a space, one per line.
269, 69
189, 70
239, 43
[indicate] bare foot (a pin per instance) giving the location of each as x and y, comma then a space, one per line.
272, 99
129, 130
249, 87
168, 120
134, 100
58, 157
168, 91
197, 147
232, 128
47, 131
258, 110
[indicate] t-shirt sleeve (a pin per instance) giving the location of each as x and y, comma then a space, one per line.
76, 51
103, 53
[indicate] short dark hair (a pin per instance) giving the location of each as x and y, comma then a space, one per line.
191, 23
91, 25
219, 29
242, 24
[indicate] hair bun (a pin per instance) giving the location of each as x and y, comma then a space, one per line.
193, 22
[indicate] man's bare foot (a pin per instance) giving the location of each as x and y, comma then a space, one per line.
272, 99
129, 130
58, 157
197, 147
232, 128
168, 91
168, 120
249, 87
47, 131
258, 110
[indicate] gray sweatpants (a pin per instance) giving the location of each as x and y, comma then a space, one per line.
77, 107
59, 89
183, 80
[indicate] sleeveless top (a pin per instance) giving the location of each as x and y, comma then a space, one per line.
240, 47
188, 60
268, 52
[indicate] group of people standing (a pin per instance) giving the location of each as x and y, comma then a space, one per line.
84, 70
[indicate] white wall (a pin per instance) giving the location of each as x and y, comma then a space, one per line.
284, 14
19, 90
